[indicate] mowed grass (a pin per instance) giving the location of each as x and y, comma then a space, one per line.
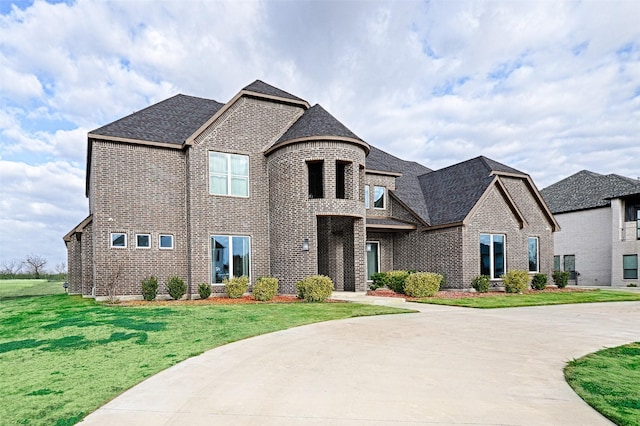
536, 299
609, 381
61, 357
19, 288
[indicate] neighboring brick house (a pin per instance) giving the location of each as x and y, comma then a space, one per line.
268, 185
600, 219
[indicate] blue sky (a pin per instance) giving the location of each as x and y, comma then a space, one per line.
550, 88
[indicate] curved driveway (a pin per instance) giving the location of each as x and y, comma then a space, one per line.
443, 365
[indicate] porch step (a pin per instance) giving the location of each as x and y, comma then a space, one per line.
361, 297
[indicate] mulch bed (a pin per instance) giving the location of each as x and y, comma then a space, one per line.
244, 300
452, 294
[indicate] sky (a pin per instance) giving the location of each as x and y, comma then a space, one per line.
547, 87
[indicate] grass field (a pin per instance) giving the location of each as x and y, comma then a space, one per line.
536, 299
61, 356
609, 381
10, 289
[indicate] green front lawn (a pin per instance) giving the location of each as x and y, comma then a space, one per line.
61, 357
535, 299
19, 288
609, 381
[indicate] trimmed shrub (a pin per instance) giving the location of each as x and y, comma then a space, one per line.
204, 290
265, 288
378, 280
236, 286
481, 283
539, 282
176, 287
316, 288
515, 281
422, 284
560, 278
395, 280
149, 288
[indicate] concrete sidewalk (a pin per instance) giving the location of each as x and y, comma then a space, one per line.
443, 365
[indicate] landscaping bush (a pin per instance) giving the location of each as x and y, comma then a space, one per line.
481, 283
515, 281
204, 290
395, 280
422, 284
149, 288
560, 278
316, 288
378, 280
176, 287
539, 282
236, 286
265, 288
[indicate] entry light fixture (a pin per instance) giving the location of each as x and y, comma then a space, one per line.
305, 244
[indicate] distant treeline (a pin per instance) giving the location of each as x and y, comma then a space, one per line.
25, 276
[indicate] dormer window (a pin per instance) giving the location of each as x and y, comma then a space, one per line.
316, 187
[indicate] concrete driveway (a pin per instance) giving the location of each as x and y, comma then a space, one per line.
443, 365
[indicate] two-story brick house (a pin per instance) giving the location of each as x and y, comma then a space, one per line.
600, 219
268, 185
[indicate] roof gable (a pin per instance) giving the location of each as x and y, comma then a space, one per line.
171, 121
588, 190
261, 87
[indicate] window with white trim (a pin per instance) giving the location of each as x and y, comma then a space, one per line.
228, 174
143, 241
378, 197
492, 255
165, 241
534, 255
118, 240
230, 257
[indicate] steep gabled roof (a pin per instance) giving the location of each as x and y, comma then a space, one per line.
317, 123
260, 86
171, 121
451, 193
408, 189
588, 190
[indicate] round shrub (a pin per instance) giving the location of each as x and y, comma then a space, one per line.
150, 288
176, 287
378, 280
539, 282
515, 281
316, 288
236, 286
204, 290
422, 284
265, 288
560, 278
481, 283
395, 280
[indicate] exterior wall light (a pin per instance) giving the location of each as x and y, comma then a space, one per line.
305, 244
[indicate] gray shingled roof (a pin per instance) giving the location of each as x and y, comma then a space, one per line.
170, 121
588, 190
316, 122
408, 188
260, 86
451, 193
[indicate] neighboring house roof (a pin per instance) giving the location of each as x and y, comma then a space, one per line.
317, 123
260, 86
451, 193
171, 121
588, 190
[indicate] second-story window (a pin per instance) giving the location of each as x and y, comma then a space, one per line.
366, 196
316, 189
228, 174
341, 171
378, 197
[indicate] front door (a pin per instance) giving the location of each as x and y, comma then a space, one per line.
373, 258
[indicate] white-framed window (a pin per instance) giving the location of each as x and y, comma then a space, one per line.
492, 255
228, 174
373, 258
118, 240
366, 197
230, 257
143, 241
534, 254
378, 197
165, 241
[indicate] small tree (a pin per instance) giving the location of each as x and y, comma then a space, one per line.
35, 264
113, 280
11, 267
